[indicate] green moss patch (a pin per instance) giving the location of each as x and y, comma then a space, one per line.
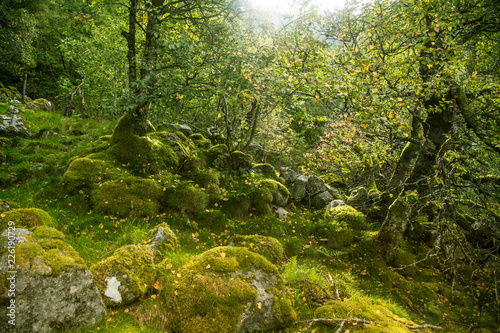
186, 197
84, 173
128, 197
27, 218
268, 247
381, 319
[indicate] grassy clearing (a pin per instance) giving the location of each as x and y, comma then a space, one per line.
325, 258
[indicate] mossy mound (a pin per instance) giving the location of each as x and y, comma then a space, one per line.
143, 155
381, 319
182, 146
194, 169
217, 156
268, 247
265, 169
84, 173
266, 193
239, 162
186, 197
125, 276
229, 289
346, 215
200, 141
128, 197
43, 252
26, 218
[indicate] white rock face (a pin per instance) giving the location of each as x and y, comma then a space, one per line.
112, 291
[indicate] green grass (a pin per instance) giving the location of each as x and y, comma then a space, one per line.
421, 293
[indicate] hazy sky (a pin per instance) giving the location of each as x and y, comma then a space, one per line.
284, 5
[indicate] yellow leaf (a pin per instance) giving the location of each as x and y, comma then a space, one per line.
157, 286
223, 254
208, 266
126, 310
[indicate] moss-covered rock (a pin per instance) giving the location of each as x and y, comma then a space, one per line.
200, 141
264, 169
266, 193
125, 276
217, 156
347, 215
239, 162
26, 218
40, 104
237, 205
128, 197
144, 155
84, 173
162, 240
182, 146
186, 198
381, 319
268, 247
53, 286
230, 289
194, 169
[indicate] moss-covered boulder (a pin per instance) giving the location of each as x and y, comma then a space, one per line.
128, 197
185, 197
53, 288
125, 276
229, 289
217, 156
359, 199
83, 174
268, 247
339, 226
40, 104
269, 192
182, 146
379, 319
195, 169
162, 240
144, 155
264, 169
239, 162
26, 218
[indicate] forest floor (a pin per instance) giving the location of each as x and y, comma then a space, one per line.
425, 294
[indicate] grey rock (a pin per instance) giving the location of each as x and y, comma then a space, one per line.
288, 175
13, 124
315, 185
322, 199
359, 199
281, 212
335, 203
298, 188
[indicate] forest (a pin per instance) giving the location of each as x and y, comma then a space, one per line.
210, 166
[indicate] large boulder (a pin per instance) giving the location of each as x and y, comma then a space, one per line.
230, 289
315, 185
128, 197
269, 192
125, 276
53, 288
41, 104
298, 187
321, 200
239, 162
162, 240
268, 247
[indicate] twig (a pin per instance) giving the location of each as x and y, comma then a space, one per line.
331, 320
324, 290
432, 327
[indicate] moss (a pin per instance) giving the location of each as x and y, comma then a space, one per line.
128, 197
186, 197
268, 192
84, 173
217, 156
143, 154
131, 263
383, 319
5, 142
236, 205
170, 243
265, 169
213, 220
239, 162
47, 232
268, 247
200, 141
27, 218
347, 215
208, 297
44, 252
